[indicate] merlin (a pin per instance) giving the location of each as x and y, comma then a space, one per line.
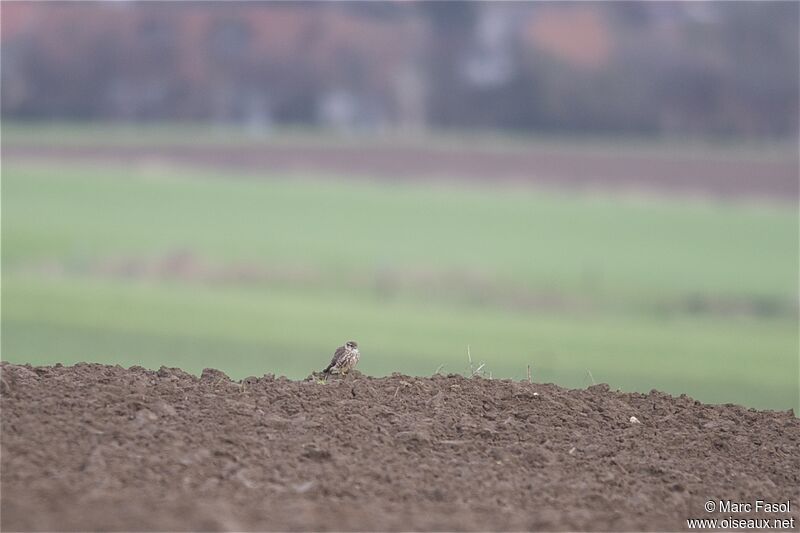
345, 359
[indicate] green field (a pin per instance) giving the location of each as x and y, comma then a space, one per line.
188, 134
678, 295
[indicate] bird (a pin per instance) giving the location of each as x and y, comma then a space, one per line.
345, 359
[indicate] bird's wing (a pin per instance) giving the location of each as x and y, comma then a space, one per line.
340, 351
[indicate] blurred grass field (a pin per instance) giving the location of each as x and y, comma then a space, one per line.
159, 265
188, 134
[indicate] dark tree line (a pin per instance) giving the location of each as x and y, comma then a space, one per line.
727, 69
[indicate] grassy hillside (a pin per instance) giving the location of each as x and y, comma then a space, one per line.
157, 265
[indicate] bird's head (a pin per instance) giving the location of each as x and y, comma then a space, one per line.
353, 345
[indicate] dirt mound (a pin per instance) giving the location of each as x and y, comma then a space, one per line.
100, 447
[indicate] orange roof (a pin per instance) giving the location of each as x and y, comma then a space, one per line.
578, 34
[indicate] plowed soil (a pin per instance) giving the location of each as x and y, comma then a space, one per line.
95, 447
709, 176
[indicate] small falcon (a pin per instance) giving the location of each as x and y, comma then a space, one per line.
345, 359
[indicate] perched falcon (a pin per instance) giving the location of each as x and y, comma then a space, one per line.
345, 359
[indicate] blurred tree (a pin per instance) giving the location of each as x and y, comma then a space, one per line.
627, 67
